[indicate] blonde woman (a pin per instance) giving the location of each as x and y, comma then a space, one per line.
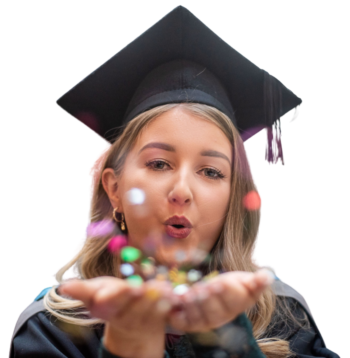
183, 101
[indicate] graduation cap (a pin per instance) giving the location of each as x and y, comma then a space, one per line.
180, 60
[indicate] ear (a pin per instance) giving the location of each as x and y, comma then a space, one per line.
110, 185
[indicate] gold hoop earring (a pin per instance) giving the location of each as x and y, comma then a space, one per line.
122, 223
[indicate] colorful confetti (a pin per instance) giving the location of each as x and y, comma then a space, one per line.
135, 280
126, 269
252, 201
100, 228
136, 196
117, 243
130, 254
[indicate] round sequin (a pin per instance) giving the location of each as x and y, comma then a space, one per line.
117, 243
130, 254
126, 269
252, 201
134, 280
136, 196
181, 289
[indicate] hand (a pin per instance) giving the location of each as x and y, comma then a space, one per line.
210, 305
135, 325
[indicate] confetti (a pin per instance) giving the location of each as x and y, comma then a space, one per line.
194, 275
161, 277
136, 196
252, 201
180, 276
126, 269
117, 243
148, 268
135, 280
152, 294
100, 228
130, 254
181, 289
180, 255
210, 275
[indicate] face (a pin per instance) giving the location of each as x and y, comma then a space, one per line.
183, 165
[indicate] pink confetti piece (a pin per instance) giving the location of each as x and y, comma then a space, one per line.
117, 243
252, 201
100, 228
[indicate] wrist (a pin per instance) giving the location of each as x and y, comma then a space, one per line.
127, 345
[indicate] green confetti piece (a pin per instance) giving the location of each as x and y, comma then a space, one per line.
130, 254
146, 262
135, 280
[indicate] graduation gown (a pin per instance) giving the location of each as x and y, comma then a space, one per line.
38, 334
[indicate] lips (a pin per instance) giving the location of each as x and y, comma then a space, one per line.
178, 227
177, 233
179, 221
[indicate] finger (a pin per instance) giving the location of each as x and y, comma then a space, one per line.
213, 310
178, 320
240, 294
193, 312
80, 289
264, 277
256, 283
109, 302
140, 309
103, 296
161, 293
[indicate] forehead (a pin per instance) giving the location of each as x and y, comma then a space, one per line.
180, 128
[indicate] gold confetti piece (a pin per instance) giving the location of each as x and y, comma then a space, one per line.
160, 277
181, 277
206, 338
173, 274
78, 333
148, 269
152, 294
211, 275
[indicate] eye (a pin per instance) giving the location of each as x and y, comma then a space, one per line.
213, 173
218, 173
158, 165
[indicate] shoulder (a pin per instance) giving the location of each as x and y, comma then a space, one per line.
37, 332
282, 289
298, 304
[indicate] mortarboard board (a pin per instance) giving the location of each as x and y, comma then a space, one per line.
178, 60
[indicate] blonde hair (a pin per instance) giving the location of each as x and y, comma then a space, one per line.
234, 247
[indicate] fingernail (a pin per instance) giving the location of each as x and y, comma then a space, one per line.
58, 289
267, 275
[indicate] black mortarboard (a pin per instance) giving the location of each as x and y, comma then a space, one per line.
177, 60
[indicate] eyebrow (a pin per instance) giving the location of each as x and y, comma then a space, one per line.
170, 148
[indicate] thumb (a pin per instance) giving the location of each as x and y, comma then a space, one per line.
258, 282
264, 278
80, 289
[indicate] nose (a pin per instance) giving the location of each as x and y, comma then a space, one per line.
181, 193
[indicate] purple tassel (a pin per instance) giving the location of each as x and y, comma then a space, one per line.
273, 150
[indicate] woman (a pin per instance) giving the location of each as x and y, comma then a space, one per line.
182, 146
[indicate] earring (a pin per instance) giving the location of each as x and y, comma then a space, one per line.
122, 223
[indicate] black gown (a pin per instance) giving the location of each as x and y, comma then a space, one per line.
42, 335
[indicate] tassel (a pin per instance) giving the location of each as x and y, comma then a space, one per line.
274, 150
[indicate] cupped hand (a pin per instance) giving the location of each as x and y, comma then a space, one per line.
210, 305
129, 311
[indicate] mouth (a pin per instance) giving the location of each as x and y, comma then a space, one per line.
177, 231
